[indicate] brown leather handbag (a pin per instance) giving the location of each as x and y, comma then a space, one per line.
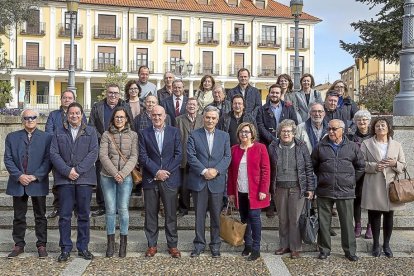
402, 190
231, 229
135, 173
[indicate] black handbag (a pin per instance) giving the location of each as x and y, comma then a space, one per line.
308, 224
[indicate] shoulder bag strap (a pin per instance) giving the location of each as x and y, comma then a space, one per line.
116, 147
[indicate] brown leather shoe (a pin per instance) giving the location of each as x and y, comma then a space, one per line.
294, 254
282, 251
174, 252
151, 251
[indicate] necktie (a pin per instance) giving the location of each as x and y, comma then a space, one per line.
177, 107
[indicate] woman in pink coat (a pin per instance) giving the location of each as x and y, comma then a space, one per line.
248, 185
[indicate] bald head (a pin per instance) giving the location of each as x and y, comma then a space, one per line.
158, 116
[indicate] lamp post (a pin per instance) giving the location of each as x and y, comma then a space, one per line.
72, 6
190, 85
404, 101
189, 68
296, 9
181, 64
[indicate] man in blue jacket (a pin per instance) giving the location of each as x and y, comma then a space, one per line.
54, 121
26, 158
73, 153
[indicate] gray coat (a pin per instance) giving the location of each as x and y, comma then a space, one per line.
303, 107
375, 194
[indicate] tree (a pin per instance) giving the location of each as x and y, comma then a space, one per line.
380, 38
379, 96
114, 75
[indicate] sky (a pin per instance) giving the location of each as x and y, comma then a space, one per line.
337, 15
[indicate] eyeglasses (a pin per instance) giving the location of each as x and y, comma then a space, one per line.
245, 132
113, 93
119, 118
287, 131
362, 120
333, 128
30, 118
318, 111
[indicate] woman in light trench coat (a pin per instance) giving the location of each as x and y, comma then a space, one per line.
384, 159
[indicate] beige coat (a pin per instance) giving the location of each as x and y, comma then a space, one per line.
112, 163
376, 184
204, 98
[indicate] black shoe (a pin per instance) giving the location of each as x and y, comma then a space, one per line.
254, 256
53, 214
63, 257
246, 251
332, 233
182, 213
215, 254
98, 213
85, 254
195, 253
376, 252
388, 252
323, 256
17, 250
352, 258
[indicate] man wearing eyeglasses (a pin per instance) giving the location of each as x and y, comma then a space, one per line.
26, 158
99, 118
339, 164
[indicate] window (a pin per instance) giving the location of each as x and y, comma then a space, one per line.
106, 57
301, 65
301, 38
260, 4
176, 30
142, 28
32, 55
207, 63
238, 62
268, 65
33, 24
106, 26
207, 31
67, 56
42, 94
203, 2
175, 56
67, 22
268, 35
142, 57
233, 3
238, 32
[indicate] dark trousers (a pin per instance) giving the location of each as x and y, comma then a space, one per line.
251, 217
205, 200
152, 198
183, 192
19, 221
374, 218
357, 209
100, 200
345, 209
72, 196
55, 197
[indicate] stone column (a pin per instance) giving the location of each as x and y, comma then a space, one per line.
52, 99
87, 93
191, 89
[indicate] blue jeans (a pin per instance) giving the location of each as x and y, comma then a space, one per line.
116, 199
253, 233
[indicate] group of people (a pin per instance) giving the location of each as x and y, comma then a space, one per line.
213, 147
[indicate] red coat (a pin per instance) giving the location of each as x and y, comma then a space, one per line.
258, 173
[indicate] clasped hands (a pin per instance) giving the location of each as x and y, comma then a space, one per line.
25, 179
211, 173
73, 175
162, 175
384, 163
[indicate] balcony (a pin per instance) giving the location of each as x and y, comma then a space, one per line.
103, 65
265, 42
238, 41
63, 64
171, 37
107, 32
62, 32
142, 34
266, 72
134, 66
301, 70
207, 69
303, 44
234, 68
174, 67
32, 63
38, 29
208, 39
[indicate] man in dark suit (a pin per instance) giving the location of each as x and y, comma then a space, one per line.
26, 158
175, 105
250, 94
160, 154
208, 154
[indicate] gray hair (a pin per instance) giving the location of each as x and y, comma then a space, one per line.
340, 122
28, 109
362, 114
178, 80
168, 72
286, 123
313, 104
219, 86
211, 108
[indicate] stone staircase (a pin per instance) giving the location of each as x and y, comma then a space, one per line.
403, 223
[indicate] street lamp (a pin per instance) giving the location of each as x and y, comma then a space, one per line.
181, 64
189, 68
296, 9
72, 6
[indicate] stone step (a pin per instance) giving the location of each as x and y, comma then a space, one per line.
402, 241
136, 221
